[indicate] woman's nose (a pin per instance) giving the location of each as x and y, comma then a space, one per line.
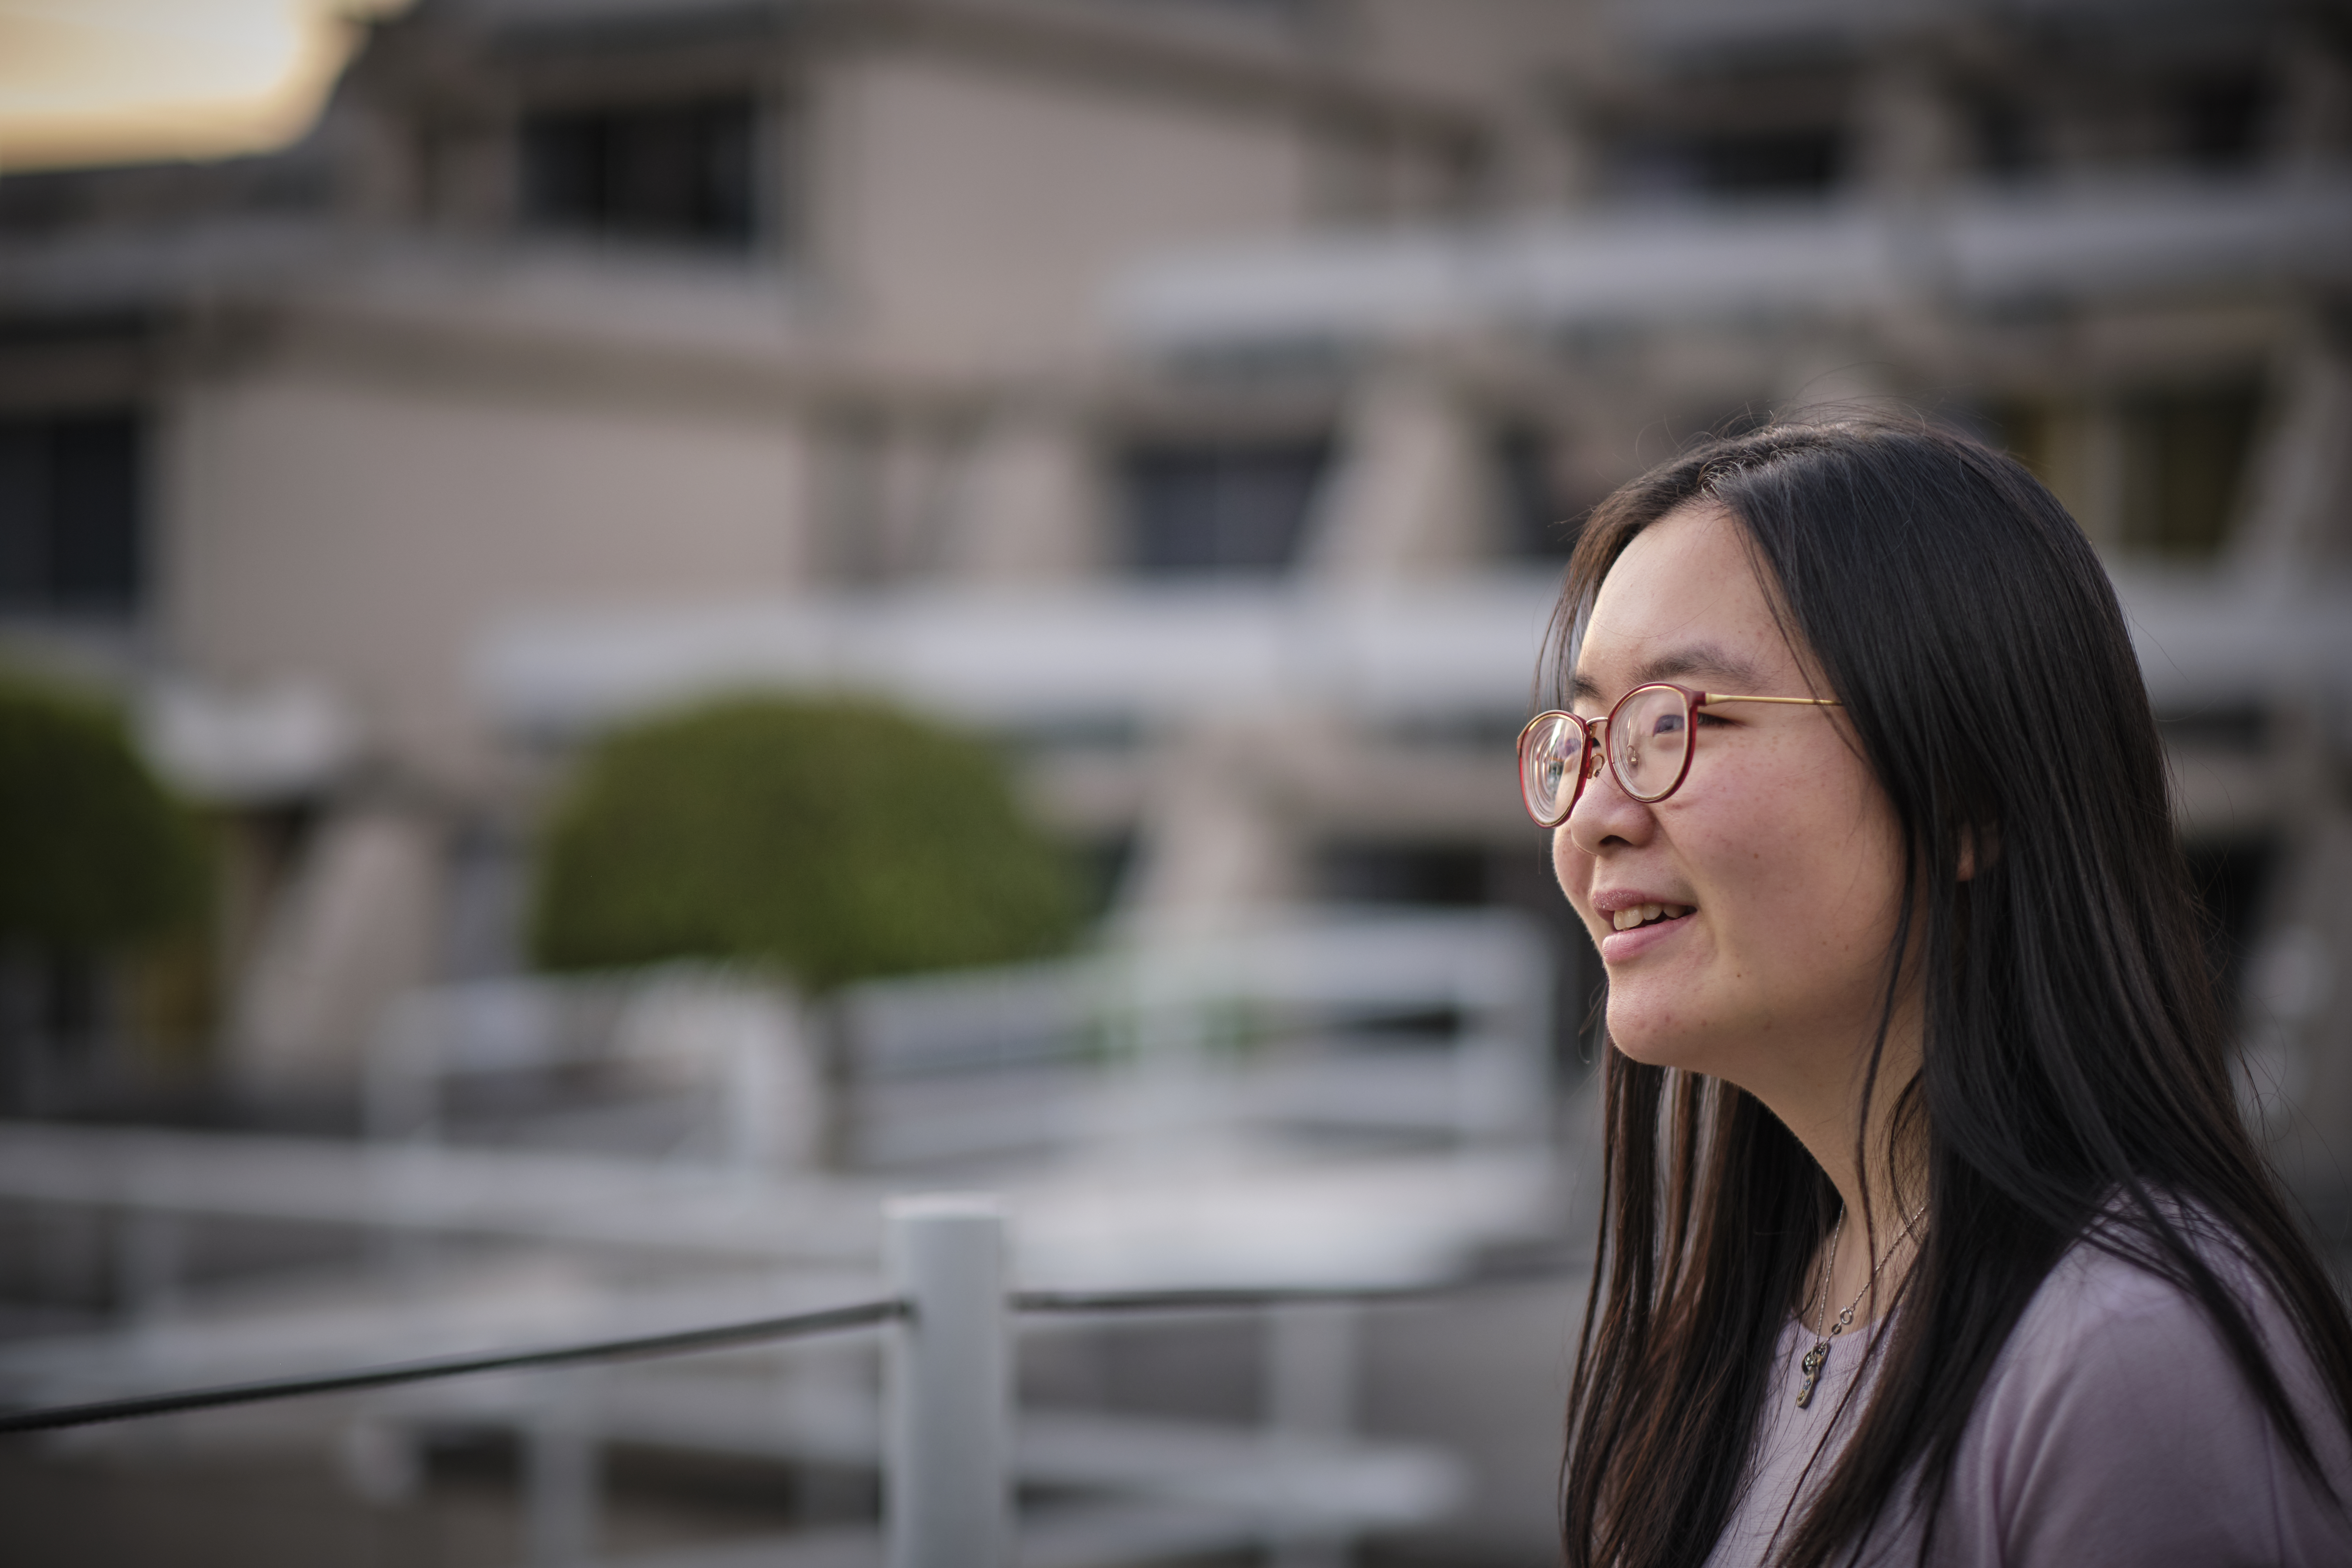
1604, 813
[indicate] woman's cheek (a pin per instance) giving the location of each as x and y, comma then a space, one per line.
1572, 869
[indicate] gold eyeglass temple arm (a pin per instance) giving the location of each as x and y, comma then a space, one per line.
1801, 701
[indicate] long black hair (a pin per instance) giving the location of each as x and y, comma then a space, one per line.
2074, 1082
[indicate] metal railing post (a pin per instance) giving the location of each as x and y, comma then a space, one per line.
948, 1386
562, 1468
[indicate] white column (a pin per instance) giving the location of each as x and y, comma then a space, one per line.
1032, 503
352, 931
2298, 493
1412, 492
1217, 841
948, 1386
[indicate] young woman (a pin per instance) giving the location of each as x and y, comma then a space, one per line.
1932, 1233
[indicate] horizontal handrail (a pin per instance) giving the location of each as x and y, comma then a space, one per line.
797, 1325
1216, 1299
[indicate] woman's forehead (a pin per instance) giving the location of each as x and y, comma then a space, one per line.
1683, 603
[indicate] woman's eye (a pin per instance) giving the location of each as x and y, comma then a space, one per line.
1706, 719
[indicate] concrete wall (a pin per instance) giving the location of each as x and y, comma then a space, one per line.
967, 216
366, 533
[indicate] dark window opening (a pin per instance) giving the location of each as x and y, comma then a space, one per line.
2221, 118
677, 172
1770, 162
1544, 514
69, 514
1444, 874
2177, 462
2008, 143
1752, 162
2185, 457
1224, 508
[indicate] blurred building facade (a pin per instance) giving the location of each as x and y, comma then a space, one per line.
590, 352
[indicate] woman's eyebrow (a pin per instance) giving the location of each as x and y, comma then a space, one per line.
1725, 670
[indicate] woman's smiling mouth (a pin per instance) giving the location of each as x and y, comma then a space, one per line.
1646, 914
1638, 920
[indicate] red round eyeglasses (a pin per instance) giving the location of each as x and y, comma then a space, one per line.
1647, 739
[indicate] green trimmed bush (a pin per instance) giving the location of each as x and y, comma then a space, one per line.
94, 853
832, 839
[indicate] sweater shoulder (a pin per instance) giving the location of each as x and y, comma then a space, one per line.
2117, 1426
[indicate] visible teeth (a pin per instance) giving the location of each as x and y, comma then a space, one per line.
1641, 914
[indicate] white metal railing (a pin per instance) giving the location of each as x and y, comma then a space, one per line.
1416, 1025
948, 1405
1434, 1026
1424, 1039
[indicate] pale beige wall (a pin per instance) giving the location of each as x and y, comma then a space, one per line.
968, 216
1509, 63
367, 534
1481, 53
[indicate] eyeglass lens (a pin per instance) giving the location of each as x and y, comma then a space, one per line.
1648, 736
1552, 760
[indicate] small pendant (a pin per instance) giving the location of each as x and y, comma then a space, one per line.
1815, 1358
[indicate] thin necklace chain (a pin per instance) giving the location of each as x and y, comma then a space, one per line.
1845, 1318
1818, 1357
1829, 1265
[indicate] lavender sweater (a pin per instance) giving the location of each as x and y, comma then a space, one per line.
2114, 1429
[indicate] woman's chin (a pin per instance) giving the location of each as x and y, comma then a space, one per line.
1648, 1050
1642, 1036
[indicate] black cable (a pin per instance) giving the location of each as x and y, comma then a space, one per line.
795, 1326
